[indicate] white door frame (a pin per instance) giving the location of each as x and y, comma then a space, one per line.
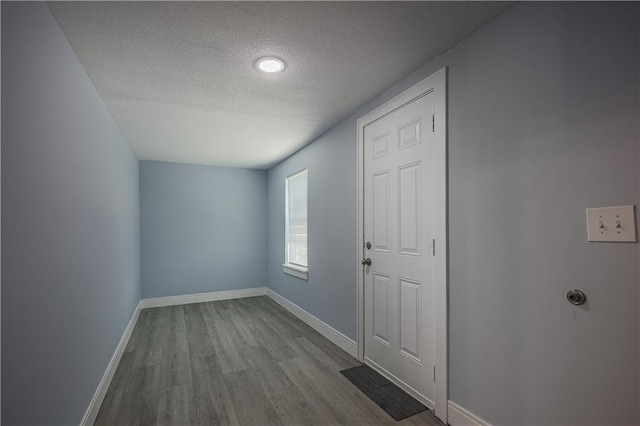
436, 84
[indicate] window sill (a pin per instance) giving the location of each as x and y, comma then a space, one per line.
295, 270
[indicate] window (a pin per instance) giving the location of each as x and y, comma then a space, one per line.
296, 225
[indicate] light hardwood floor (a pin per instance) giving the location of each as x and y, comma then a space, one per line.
244, 361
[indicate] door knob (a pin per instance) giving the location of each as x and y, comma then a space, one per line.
366, 261
576, 297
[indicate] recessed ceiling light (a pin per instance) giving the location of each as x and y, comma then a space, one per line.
270, 65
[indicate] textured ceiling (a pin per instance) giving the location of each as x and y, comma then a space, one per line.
179, 78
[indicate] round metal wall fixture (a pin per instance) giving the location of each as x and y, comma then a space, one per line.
576, 297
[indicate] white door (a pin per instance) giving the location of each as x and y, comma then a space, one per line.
399, 223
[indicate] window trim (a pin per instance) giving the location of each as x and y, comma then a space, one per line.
295, 270
288, 267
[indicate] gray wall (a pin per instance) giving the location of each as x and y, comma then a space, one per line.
330, 292
543, 122
70, 225
203, 228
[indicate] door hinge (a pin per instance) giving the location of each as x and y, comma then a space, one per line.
434, 373
433, 123
433, 246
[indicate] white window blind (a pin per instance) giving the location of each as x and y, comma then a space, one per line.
296, 219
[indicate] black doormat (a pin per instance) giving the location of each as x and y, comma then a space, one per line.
396, 402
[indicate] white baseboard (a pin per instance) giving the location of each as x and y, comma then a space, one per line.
458, 416
96, 402
186, 299
343, 342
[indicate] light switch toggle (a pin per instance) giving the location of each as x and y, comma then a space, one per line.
612, 224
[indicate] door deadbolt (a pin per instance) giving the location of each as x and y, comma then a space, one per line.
576, 297
368, 245
366, 261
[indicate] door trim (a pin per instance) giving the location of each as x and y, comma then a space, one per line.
436, 83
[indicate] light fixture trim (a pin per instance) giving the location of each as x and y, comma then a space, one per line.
270, 65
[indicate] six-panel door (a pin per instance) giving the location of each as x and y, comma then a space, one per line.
399, 221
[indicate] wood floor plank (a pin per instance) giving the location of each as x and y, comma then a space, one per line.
330, 406
212, 404
198, 338
243, 336
251, 403
175, 368
289, 403
426, 418
341, 393
325, 359
300, 329
217, 329
174, 407
149, 349
235, 362
140, 400
279, 345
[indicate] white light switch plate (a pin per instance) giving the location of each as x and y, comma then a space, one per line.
612, 224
